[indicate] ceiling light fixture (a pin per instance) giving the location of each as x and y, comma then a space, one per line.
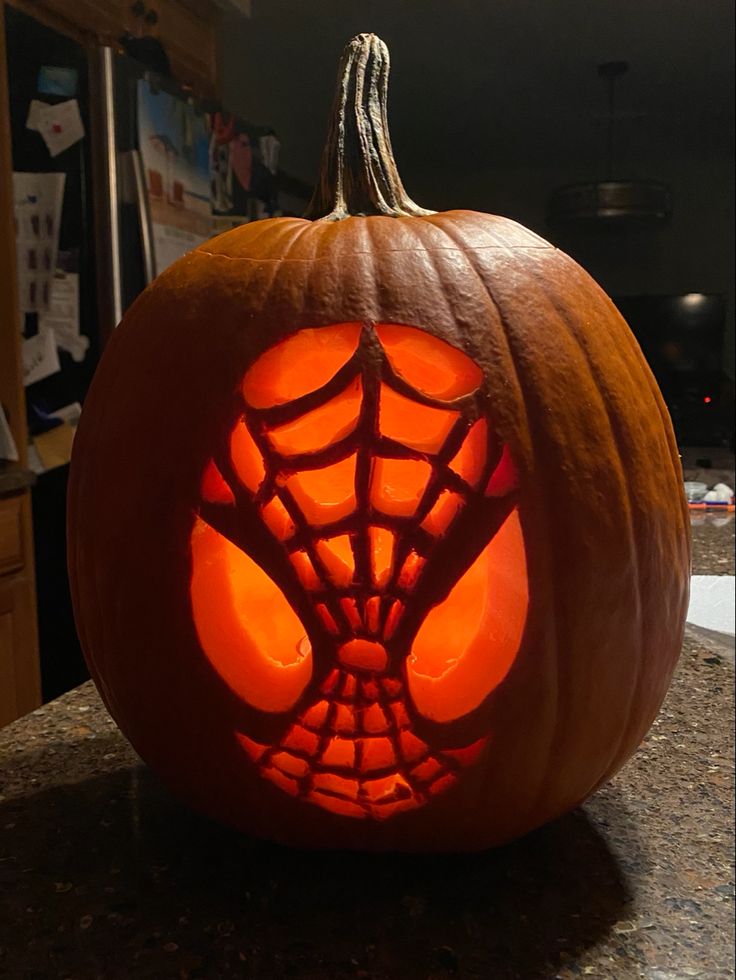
611, 202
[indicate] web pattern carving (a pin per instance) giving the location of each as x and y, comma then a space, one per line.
359, 475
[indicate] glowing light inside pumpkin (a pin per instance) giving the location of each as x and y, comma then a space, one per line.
412, 424
360, 494
321, 427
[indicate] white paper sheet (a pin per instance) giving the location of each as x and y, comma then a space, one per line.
8, 449
38, 200
40, 358
63, 315
60, 126
35, 111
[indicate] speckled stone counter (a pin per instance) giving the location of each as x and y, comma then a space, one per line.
104, 875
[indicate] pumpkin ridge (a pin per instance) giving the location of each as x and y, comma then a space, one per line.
619, 757
624, 493
452, 221
251, 230
385, 251
440, 275
671, 444
552, 611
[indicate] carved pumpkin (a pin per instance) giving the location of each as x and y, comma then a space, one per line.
377, 537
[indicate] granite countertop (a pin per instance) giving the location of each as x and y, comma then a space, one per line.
104, 875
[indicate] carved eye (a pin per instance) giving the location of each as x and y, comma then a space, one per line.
358, 563
252, 636
467, 643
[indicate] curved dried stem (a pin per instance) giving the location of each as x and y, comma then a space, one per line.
359, 174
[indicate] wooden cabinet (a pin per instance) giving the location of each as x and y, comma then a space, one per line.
20, 685
187, 29
19, 674
11, 535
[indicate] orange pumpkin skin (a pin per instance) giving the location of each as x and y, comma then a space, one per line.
604, 520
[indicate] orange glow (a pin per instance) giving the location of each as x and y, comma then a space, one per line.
328, 620
246, 457
392, 620
399, 712
467, 755
292, 765
344, 719
391, 685
316, 715
348, 743
374, 720
322, 426
442, 784
428, 364
443, 513
410, 570
378, 753
337, 556
373, 613
350, 608
326, 494
469, 460
334, 804
427, 770
301, 740
397, 485
467, 644
305, 570
247, 629
302, 363
370, 688
418, 426
363, 654
277, 519
329, 782
387, 788
381, 542
387, 809
213, 487
330, 682
285, 783
504, 478
339, 752
412, 748
255, 750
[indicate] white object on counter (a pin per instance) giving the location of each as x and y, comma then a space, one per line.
720, 494
712, 603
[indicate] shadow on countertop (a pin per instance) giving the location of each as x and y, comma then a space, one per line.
110, 877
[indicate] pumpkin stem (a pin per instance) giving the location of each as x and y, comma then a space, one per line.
359, 174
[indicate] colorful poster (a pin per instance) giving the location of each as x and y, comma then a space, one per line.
174, 143
243, 167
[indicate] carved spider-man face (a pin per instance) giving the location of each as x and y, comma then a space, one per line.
358, 564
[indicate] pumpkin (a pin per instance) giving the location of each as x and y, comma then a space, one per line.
377, 537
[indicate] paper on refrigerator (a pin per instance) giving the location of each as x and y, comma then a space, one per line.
38, 200
60, 126
63, 315
39, 357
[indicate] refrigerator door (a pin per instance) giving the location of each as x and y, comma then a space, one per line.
123, 229
153, 178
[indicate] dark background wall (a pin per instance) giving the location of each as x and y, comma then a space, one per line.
492, 105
